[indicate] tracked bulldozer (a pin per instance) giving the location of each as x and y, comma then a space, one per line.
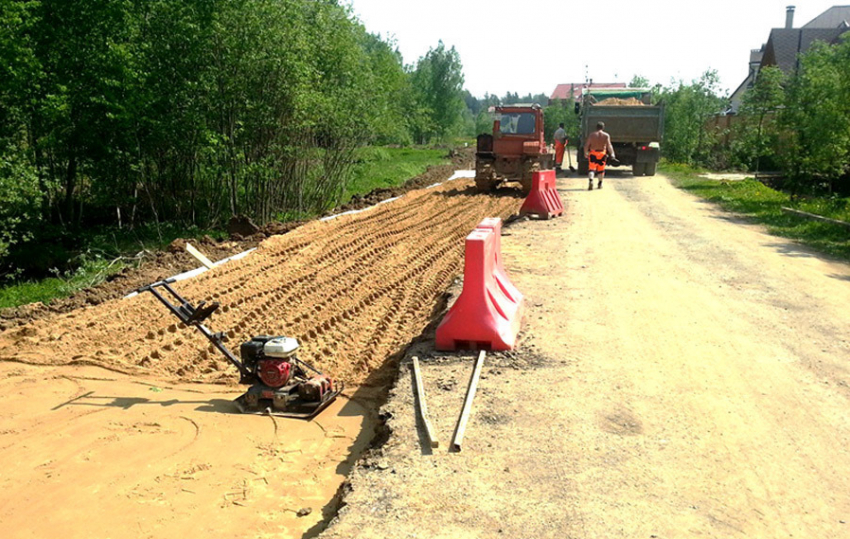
514, 151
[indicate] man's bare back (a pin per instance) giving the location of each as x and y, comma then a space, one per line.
599, 141
597, 150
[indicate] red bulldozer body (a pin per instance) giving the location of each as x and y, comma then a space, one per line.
515, 150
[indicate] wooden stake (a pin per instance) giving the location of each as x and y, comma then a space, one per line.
423, 408
467, 403
200, 256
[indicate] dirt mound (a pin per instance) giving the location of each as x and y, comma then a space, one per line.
616, 101
353, 290
175, 259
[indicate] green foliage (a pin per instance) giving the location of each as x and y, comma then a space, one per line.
20, 200
484, 123
756, 137
438, 97
687, 107
189, 111
816, 117
764, 205
558, 112
390, 167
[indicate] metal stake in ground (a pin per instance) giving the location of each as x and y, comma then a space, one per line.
423, 408
467, 403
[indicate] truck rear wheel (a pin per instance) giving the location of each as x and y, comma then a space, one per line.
639, 169
650, 169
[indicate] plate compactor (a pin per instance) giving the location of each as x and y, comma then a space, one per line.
281, 384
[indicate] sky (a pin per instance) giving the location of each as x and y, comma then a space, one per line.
530, 46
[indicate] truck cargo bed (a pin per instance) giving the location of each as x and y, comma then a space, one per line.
626, 124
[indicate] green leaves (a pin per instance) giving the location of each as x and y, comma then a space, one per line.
436, 102
816, 116
192, 110
687, 107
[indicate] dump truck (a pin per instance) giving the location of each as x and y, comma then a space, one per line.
635, 125
515, 150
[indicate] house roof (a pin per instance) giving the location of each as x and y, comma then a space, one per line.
562, 91
833, 17
785, 44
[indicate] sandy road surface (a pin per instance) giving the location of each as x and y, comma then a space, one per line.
680, 375
98, 438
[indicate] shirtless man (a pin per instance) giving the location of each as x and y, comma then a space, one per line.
597, 150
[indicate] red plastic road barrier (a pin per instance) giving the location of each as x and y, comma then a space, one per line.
495, 224
543, 200
486, 315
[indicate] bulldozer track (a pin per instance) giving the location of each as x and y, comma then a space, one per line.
353, 290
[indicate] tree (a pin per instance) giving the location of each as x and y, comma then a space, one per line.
438, 93
190, 111
687, 108
20, 71
760, 101
816, 117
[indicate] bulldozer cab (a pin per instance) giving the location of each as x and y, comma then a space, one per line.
517, 123
515, 150
524, 121
518, 130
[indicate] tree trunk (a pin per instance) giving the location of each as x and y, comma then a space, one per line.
70, 186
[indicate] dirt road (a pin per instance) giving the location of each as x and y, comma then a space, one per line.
681, 374
103, 435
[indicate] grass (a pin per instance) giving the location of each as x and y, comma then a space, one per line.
109, 250
89, 274
383, 167
761, 204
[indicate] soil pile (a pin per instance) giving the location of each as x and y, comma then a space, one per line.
160, 265
353, 290
617, 102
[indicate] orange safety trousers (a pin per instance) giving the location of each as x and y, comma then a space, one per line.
559, 152
597, 159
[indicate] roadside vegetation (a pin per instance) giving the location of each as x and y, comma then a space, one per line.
382, 167
105, 250
134, 119
90, 258
792, 132
124, 125
761, 204
187, 112
794, 126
